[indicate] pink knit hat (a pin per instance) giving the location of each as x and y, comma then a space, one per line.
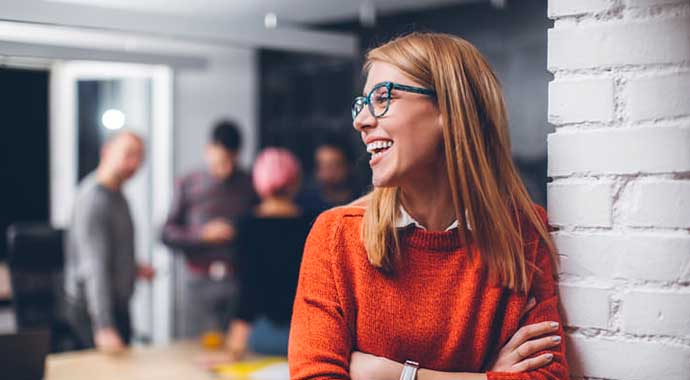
276, 171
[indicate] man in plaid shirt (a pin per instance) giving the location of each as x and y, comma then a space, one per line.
200, 225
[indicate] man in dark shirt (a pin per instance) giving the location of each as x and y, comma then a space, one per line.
205, 207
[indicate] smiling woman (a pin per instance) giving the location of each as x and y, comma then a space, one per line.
446, 270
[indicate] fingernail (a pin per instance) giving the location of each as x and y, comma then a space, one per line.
554, 325
556, 339
549, 356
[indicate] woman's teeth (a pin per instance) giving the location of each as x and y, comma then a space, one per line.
377, 148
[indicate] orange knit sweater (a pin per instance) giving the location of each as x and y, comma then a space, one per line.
438, 309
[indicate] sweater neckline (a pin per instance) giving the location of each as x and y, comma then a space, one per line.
418, 238
437, 241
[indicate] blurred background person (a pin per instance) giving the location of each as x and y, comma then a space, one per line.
100, 268
270, 242
201, 225
334, 183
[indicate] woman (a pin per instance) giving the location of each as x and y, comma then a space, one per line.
270, 243
440, 263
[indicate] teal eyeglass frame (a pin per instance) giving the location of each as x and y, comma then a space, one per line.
361, 101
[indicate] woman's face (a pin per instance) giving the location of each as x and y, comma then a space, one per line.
406, 143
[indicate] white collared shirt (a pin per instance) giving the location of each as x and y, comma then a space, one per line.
406, 219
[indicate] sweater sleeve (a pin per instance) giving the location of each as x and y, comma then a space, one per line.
320, 339
95, 250
545, 291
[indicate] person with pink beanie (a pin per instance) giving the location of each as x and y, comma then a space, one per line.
271, 239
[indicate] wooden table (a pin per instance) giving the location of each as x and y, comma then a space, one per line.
173, 362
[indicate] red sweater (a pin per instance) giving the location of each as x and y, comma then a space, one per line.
439, 308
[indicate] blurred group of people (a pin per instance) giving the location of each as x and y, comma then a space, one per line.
241, 235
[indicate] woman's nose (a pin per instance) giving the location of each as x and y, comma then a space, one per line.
364, 120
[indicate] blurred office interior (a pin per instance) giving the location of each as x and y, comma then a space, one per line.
74, 71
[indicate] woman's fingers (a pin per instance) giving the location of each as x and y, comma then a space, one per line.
531, 347
528, 332
532, 363
529, 340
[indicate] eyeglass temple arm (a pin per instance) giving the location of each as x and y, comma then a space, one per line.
418, 90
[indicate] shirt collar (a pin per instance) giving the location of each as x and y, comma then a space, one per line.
405, 219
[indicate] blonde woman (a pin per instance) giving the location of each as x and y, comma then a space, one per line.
446, 269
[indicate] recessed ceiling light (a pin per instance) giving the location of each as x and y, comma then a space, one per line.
270, 20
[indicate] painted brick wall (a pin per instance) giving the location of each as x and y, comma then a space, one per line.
620, 195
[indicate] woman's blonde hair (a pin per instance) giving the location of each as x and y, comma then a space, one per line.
487, 192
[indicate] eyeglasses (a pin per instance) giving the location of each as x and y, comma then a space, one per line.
379, 98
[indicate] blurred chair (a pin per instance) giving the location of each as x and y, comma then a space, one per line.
23, 354
35, 258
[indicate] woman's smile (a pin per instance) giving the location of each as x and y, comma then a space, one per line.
378, 150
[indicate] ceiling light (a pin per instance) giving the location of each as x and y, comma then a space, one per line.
270, 20
113, 119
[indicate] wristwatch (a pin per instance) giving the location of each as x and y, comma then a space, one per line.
409, 371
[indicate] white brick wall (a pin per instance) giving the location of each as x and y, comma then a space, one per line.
580, 204
657, 312
644, 3
596, 314
627, 151
620, 193
572, 8
619, 43
658, 203
644, 95
616, 256
619, 358
581, 100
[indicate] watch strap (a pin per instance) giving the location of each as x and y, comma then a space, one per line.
409, 371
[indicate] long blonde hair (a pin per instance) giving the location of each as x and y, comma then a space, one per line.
487, 192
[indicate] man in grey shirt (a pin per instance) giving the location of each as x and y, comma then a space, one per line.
100, 269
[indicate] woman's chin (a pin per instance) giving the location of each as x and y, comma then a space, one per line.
382, 181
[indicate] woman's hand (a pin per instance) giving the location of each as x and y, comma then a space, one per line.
237, 339
212, 359
235, 346
515, 355
369, 367
108, 340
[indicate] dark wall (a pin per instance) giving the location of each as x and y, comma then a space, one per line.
305, 98
89, 139
24, 168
